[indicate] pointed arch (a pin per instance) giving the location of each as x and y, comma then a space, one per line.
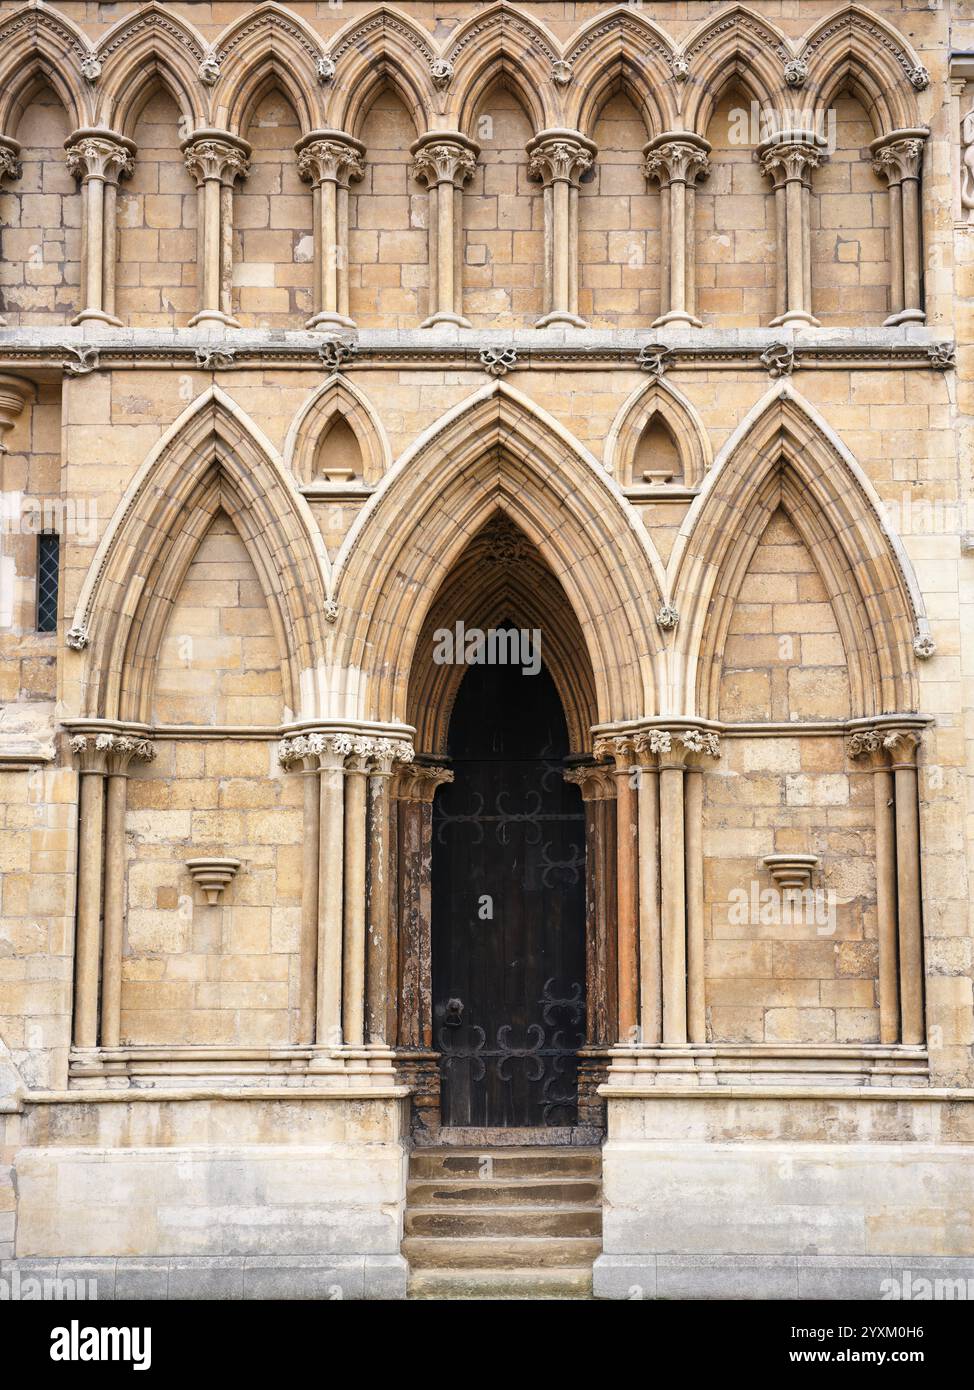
622, 51
734, 47
497, 452
268, 46
501, 577
336, 398
143, 52
857, 49
385, 48
658, 399
212, 457
39, 47
784, 454
502, 43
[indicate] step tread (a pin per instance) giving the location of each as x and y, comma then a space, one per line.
567, 1281
473, 1209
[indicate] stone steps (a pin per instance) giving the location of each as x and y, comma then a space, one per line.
503, 1223
501, 1283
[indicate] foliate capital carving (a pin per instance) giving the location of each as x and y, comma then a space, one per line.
560, 156
596, 782
676, 159
110, 752
10, 165
447, 158
791, 157
885, 745
333, 157
211, 156
386, 752
618, 747
100, 156
898, 159
419, 782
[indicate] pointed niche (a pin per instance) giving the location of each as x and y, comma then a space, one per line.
219, 662
783, 657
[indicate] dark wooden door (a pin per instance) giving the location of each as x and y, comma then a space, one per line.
508, 929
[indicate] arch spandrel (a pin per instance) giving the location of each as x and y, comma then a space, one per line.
497, 452
784, 453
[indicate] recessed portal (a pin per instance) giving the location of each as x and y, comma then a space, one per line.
508, 926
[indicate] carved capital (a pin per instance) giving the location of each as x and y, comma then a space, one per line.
330, 155
212, 154
418, 782
444, 158
886, 745
677, 157
10, 165
791, 156
560, 156
99, 154
387, 753
110, 752
898, 156
676, 747
595, 781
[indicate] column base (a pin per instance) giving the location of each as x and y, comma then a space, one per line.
797, 318
905, 316
677, 316
326, 320
561, 316
212, 316
454, 321
96, 316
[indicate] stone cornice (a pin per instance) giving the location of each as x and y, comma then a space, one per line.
47, 354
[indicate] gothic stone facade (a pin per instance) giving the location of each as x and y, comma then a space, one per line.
644, 325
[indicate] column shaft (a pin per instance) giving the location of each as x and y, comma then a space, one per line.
114, 926
696, 996
308, 951
216, 159
886, 890
650, 958
445, 161
378, 946
673, 897
353, 970
559, 158
910, 928
330, 874
87, 946
627, 937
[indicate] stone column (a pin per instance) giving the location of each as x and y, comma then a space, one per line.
332, 750
378, 898
124, 748
650, 959
788, 158
559, 158
597, 785
99, 158
693, 848
329, 160
677, 160
626, 774
869, 743
416, 790
10, 168
301, 752
216, 159
93, 764
353, 954
901, 745
898, 158
672, 756
444, 161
